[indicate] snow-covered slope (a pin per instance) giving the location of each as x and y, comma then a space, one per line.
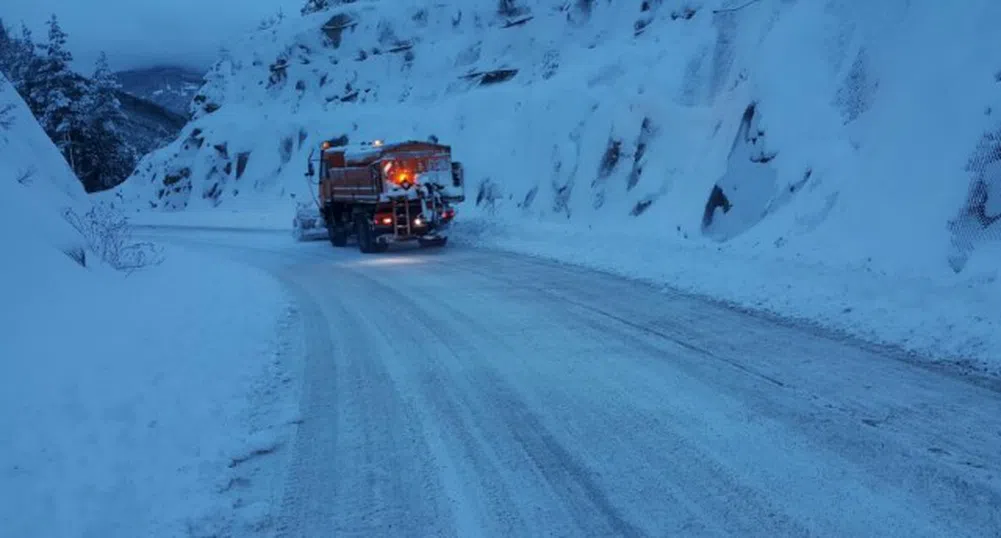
125, 403
858, 136
36, 185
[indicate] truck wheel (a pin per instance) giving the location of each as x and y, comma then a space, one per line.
366, 242
338, 236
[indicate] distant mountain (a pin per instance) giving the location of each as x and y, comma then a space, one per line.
170, 87
151, 125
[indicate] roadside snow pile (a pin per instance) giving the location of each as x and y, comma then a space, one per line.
855, 138
125, 401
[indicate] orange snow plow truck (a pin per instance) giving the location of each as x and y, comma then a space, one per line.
383, 193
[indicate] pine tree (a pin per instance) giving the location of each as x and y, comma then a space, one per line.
105, 159
17, 56
8, 51
27, 62
6, 44
6, 109
52, 90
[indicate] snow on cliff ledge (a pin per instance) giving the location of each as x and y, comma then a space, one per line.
861, 136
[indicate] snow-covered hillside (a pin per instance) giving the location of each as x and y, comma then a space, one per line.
742, 147
125, 402
37, 184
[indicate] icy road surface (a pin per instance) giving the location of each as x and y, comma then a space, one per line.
468, 393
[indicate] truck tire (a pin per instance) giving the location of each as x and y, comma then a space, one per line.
366, 239
338, 236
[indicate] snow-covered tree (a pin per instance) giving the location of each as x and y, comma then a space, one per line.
6, 108
82, 116
17, 56
53, 90
6, 42
104, 158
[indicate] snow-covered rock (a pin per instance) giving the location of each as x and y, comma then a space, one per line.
861, 136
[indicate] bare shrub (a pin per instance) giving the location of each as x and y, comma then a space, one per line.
109, 236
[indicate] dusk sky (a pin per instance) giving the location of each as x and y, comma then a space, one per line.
137, 33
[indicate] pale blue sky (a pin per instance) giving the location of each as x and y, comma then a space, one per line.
145, 32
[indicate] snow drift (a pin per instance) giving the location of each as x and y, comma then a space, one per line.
863, 137
124, 402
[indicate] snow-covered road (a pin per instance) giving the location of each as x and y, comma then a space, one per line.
466, 392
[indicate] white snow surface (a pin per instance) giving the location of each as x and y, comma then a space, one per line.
125, 400
35, 185
852, 139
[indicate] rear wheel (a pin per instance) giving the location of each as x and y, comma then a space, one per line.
338, 235
366, 237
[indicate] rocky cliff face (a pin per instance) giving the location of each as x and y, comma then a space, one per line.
809, 127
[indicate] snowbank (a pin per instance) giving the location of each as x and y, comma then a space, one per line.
850, 138
129, 404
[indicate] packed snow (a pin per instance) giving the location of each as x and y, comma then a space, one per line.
832, 161
149, 402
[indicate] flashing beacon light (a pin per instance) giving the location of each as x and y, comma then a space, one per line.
377, 143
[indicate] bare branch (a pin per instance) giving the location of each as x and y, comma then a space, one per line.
6, 116
109, 235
